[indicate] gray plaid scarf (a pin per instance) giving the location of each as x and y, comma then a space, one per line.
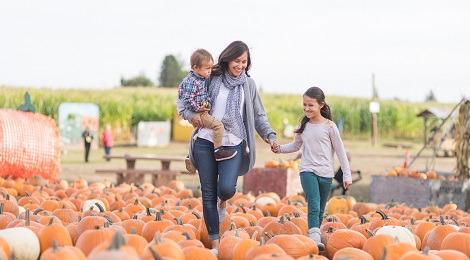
232, 120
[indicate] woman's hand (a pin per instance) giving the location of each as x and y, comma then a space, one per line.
347, 184
275, 147
196, 120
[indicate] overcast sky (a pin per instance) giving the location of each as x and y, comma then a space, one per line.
412, 46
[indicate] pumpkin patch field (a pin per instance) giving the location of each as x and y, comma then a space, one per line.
81, 220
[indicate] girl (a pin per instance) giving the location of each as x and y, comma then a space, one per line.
321, 140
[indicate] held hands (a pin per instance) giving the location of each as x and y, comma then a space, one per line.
275, 146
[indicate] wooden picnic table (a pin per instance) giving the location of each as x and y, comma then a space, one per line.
160, 175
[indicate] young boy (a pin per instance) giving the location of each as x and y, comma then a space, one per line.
193, 92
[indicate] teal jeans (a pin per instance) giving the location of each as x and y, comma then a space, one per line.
317, 190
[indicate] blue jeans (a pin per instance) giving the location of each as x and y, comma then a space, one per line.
317, 190
107, 151
218, 179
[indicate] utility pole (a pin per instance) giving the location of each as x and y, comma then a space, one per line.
374, 108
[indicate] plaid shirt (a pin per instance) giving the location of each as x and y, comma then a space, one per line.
192, 91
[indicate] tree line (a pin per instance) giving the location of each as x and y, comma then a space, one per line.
171, 75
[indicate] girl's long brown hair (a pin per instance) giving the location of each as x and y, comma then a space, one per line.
325, 111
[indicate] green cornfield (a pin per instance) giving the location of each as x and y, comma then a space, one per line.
123, 108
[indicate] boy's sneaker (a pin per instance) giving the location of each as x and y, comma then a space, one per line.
189, 166
224, 154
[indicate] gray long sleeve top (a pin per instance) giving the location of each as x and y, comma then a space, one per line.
254, 118
319, 142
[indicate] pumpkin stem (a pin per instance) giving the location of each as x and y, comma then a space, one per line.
243, 209
158, 216
426, 250
100, 207
363, 220
110, 220
287, 216
330, 230
133, 232
178, 221
382, 214
55, 246
441, 218
455, 221
147, 210
252, 224
261, 241
186, 235
255, 234
117, 242
384, 254
28, 217
37, 211
158, 238
155, 254
371, 234
268, 235
232, 225
267, 213
1, 207
198, 216
51, 221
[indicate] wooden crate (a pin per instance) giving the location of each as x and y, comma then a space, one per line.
418, 193
284, 182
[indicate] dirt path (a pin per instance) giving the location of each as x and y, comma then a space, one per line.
369, 160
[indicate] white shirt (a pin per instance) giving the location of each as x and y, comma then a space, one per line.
218, 112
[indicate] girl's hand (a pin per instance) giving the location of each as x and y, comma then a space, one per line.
196, 120
275, 147
347, 184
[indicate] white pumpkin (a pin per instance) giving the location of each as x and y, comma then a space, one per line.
263, 200
401, 234
89, 203
23, 242
21, 209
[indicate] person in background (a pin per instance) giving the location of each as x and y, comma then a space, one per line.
235, 102
108, 140
88, 139
319, 138
193, 92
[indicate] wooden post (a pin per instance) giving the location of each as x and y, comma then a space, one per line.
374, 129
425, 130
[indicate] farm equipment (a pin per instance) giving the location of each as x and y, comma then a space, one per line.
451, 137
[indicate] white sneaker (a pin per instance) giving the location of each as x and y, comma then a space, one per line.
215, 251
222, 212
315, 235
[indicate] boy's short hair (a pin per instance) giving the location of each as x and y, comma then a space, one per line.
199, 56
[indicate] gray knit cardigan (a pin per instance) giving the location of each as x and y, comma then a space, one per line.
254, 118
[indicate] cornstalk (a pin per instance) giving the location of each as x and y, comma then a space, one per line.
462, 140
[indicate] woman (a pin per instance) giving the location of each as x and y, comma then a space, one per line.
235, 101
